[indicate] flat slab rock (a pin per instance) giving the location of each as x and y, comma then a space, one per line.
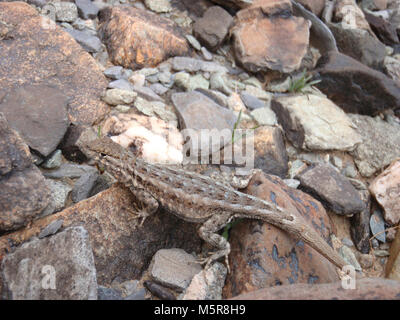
39, 113
380, 144
354, 87
60, 267
174, 268
366, 289
35, 54
23, 190
315, 123
386, 190
196, 112
138, 38
121, 248
257, 38
264, 256
333, 189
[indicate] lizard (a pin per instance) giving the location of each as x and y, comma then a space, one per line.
198, 198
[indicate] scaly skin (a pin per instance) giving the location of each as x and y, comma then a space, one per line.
198, 198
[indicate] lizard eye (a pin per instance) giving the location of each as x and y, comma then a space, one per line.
103, 154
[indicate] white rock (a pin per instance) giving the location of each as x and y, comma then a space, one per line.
174, 268
157, 141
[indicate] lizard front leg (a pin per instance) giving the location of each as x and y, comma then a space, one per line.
208, 232
148, 203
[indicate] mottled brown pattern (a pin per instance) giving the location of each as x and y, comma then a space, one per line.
177, 191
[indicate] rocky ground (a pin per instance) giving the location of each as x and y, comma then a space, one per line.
316, 81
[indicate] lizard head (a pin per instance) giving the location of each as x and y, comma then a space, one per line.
95, 147
106, 147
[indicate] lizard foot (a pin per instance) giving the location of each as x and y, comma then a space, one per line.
214, 256
142, 214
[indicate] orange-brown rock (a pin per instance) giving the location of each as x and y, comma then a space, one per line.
366, 289
264, 256
137, 38
120, 247
266, 38
35, 52
386, 190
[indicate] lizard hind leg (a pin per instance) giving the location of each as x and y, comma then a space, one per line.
208, 232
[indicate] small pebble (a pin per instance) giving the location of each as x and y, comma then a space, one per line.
138, 295
251, 101
359, 185
347, 242
336, 161
122, 108
193, 42
375, 244
159, 291
385, 246
381, 253
83, 186
366, 260
165, 77
138, 79
207, 55
104, 293
114, 73
54, 161
51, 229
349, 257
158, 88
296, 167
293, 183
350, 171
377, 225
291, 151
